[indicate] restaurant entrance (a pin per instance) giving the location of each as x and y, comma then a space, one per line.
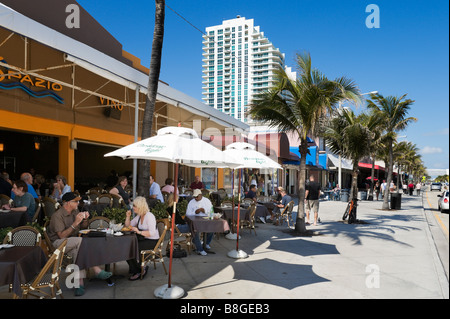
22, 152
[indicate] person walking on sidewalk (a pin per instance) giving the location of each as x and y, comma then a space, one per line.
418, 186
312, 194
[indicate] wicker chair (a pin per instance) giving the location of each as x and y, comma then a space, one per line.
67, 260
247, 201
99, 222
222, 193
286, 214
105, 199
50, 206
155, 254
92, 195
180, 238
23, 236
117, 201
250, 223
48, 277
37, 211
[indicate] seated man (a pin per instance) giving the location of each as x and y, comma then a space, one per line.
285, 199
197, 184
200, 206
60, 187
27, 178
65, 223
155, 190
252, 193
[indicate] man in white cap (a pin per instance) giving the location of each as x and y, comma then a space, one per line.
200, 206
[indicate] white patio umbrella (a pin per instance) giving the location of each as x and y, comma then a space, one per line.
246, 154
178, 145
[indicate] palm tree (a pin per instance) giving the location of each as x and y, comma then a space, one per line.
372, 121
153, 79
393, 111
297, 106
350, 136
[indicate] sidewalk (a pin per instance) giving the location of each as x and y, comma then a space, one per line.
390, 255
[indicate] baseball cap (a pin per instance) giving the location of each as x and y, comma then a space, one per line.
67, 197
196, 192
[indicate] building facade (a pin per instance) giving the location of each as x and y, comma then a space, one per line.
69, 96
238, 64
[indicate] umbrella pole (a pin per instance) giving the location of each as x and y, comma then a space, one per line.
231, 234
167, 291
238, 253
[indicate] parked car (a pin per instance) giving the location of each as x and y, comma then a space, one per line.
443, 202
435, 186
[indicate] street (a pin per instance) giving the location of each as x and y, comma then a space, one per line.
439, 226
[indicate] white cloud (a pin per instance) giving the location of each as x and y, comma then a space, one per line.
431, 150
444, 131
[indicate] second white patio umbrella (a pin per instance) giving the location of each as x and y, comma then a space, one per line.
246, 154
178, 145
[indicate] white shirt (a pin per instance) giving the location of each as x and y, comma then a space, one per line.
194, 205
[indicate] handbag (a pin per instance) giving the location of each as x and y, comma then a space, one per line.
178, 252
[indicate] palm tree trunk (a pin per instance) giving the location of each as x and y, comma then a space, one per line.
372, 178
389, 179
300, 226
153, 79
354, 189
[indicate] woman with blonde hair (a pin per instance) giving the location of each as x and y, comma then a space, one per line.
144, 225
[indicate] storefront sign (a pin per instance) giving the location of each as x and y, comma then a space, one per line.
20, 80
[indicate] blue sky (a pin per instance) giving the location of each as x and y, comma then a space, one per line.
409, 53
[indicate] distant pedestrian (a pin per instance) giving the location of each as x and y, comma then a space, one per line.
411, 188
377, 189
418, 186
312, 195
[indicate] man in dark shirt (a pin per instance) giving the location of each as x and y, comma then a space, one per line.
252, 193
312, 195
284, 202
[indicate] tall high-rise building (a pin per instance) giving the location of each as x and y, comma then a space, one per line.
238, 63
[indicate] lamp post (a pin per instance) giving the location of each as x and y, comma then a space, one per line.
340, 156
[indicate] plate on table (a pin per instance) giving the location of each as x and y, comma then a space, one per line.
84, 231
5, 210
6, 246
118, 233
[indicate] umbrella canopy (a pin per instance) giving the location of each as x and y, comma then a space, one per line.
246, 154
370, 177
178, 145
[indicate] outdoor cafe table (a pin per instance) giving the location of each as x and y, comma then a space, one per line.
96, 251
19, 264
202, 224
228, 215
12, 219
261, 209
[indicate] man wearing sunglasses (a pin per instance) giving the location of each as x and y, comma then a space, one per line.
65, 223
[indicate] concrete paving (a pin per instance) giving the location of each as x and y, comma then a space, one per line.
390, 254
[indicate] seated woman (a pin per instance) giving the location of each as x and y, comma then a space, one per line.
23, 201
119, 190
144, 224
169, 188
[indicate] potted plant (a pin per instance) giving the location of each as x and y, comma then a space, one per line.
115, 215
